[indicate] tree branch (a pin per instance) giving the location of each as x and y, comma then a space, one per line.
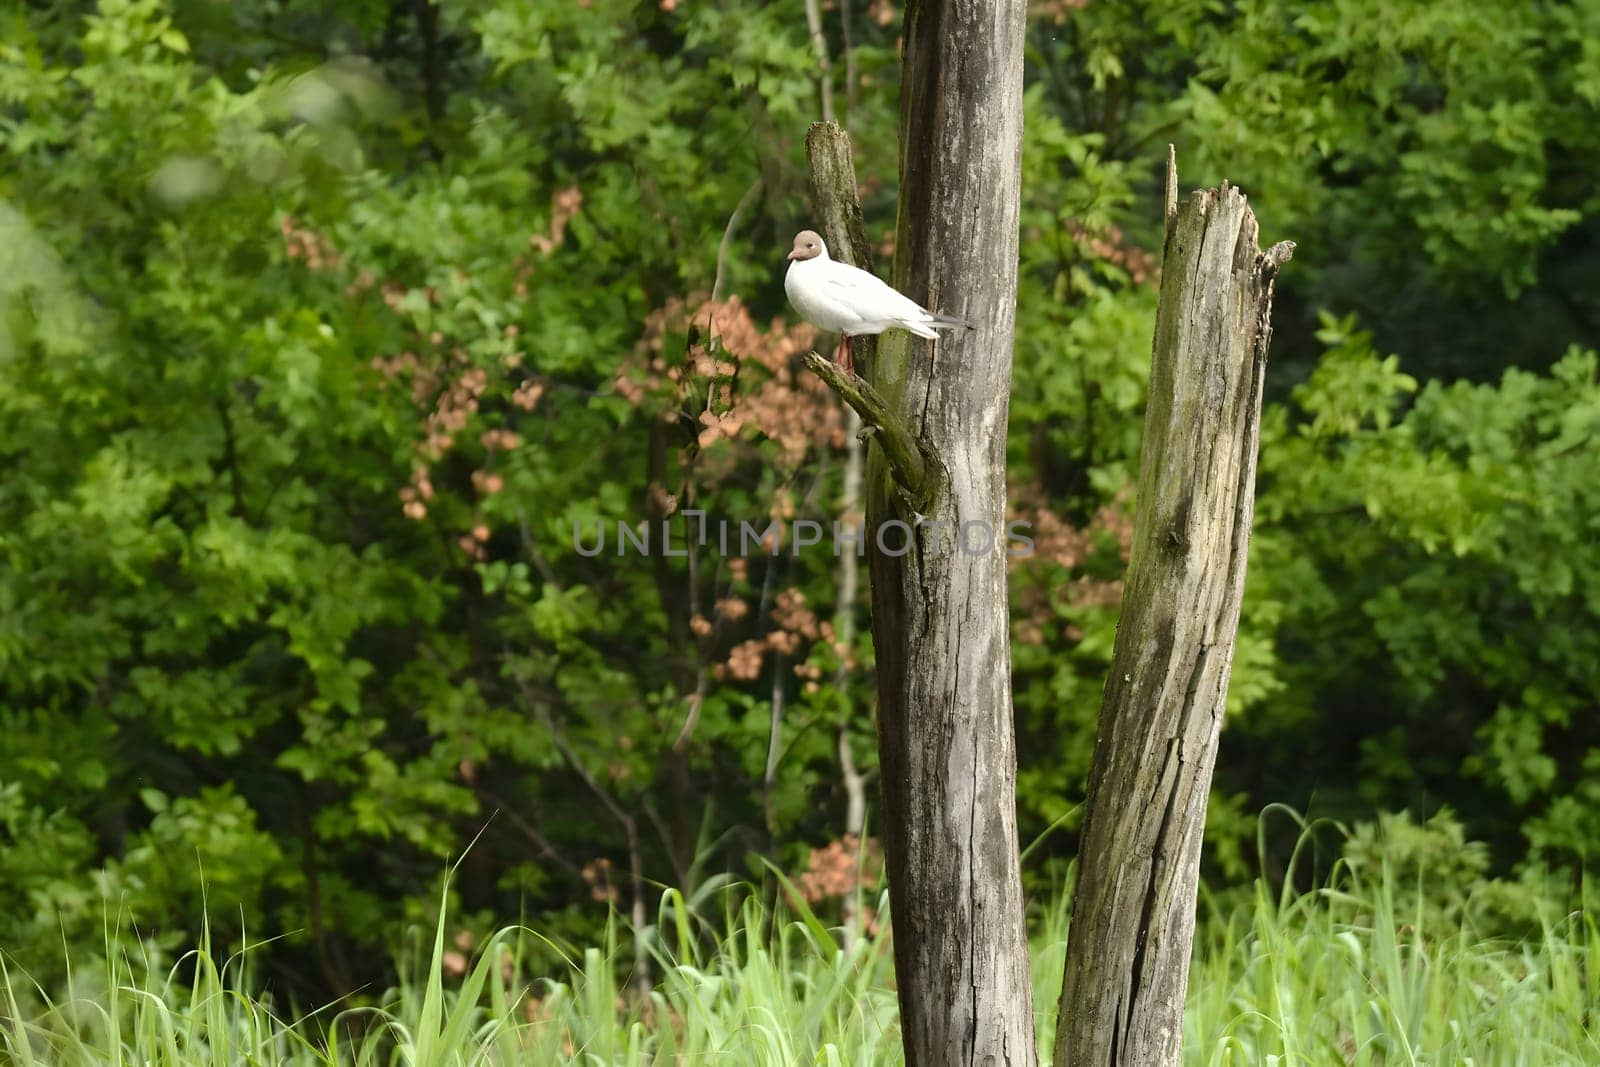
819, 46
907, 460
727, 236
833, 190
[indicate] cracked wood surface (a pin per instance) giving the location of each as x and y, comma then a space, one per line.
939, 609
914, 471
1133, 913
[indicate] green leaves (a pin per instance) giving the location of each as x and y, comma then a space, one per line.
309, 366
1352, 387
1462, 533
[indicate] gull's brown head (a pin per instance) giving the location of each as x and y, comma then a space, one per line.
808, 245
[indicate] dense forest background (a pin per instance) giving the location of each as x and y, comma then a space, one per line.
323, 326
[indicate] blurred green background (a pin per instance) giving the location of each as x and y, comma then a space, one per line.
322, 324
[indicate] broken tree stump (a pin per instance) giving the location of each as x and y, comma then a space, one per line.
1132, 927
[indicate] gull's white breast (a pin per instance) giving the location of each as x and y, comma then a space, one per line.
824, 305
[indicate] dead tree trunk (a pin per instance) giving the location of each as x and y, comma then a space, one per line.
1133, 916
838, 213
937, 550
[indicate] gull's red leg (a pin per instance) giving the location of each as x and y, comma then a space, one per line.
849, 361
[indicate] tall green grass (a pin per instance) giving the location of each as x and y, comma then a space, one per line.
1358, 977
1348, 975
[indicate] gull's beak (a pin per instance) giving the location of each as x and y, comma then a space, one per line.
791, 254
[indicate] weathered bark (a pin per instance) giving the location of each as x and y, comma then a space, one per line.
939, 625
913, 468
845, 211
1133, 915
833, 175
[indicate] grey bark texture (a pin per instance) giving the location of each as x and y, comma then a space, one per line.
833, 177
1132, 928
940, 625
912, 468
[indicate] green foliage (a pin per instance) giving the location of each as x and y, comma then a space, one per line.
1435, 576
1449, 875
1429, 159
301, 403
323, 328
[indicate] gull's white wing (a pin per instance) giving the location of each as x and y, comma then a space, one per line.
871, 297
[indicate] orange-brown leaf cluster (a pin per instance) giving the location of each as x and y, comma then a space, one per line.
811, 673
473, 540
796, 625
1054, 539
744, 662
303, 243
527, 395
831, 870
597, 873
455, 404
415, 497
500, 440
790, 613
1059, 543
563, 206
1054, 10
1113, 247
746, 372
